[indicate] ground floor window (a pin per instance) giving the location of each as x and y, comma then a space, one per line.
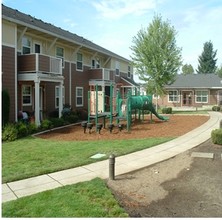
173, 96
26, 95
202, 96
57, 96
79, 96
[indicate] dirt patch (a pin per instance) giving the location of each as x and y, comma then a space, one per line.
182, 186
176, 126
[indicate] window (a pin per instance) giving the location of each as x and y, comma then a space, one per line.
26, 45
117, 68
95, 63
37, 48
202, 96
173, 96
26, 95
129, 72
79, 96
60, 54
57, 96
79, 63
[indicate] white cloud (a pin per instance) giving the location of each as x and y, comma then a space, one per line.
116, 9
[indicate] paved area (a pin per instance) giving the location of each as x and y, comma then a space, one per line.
124, 164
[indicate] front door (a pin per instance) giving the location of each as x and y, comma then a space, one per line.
187, 98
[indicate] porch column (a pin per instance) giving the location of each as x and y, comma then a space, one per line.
60, 99
37, 112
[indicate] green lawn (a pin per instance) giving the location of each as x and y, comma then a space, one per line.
87, 199
31, 156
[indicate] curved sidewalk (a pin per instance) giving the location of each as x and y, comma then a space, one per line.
124, 164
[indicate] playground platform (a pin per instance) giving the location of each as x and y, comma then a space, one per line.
124, 164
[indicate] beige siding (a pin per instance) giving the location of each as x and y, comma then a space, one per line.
8, 34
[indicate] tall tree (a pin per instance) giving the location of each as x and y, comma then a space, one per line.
156, 56
219, 71
207, 61
187, 69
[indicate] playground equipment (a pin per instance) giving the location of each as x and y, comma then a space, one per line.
119, 108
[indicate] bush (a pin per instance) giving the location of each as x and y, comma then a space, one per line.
216, 108
216, 136
71, 118
54, 114
57, 122
22, 129
167, 110
32, 128
10, 133
82, 114
46, 124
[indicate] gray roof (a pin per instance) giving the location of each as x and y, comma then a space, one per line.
197, 81
21, 18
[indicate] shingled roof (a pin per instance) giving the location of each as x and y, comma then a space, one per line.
32, 22
212, 81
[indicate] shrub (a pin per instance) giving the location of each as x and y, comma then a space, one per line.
54, 114
46, 124
72, 118
22, 129
5, 107
82, 114
32, 128
57, 122
216, 108
216, 136
167, 110
10, 133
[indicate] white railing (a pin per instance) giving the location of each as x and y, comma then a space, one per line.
56, 65
106, 74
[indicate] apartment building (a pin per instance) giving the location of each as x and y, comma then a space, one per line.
45, 67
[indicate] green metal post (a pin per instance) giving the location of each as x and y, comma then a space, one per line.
111, 103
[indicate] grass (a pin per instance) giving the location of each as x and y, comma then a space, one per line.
87, 199
31, 156
190, 112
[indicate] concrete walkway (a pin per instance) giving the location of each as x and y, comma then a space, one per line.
124, 164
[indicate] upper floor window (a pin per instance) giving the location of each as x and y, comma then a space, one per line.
79, 62
60, 54
117, 68
129, 72
173, 96
26, 45
202, 96
26, 95
95, 63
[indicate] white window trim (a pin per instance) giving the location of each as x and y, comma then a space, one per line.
57, 97
129, 72
80, 105
79, 62
201, 95
117, 69
178, 96
27, 104
30, 47
61, 57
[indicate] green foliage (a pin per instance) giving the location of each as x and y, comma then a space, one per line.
57, 122
46, 124
86, 199
187, 69
207, 61
216, 136
216, 108
156, 57
167, 110
22, 129
10, 132
5, 107
219, 71
32, 128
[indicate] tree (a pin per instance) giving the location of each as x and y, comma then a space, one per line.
219, 71
207, 61
156, 57
187, 69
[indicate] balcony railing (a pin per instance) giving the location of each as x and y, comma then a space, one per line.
39, 63
100, 74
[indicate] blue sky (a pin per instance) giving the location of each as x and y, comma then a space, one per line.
113, 23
